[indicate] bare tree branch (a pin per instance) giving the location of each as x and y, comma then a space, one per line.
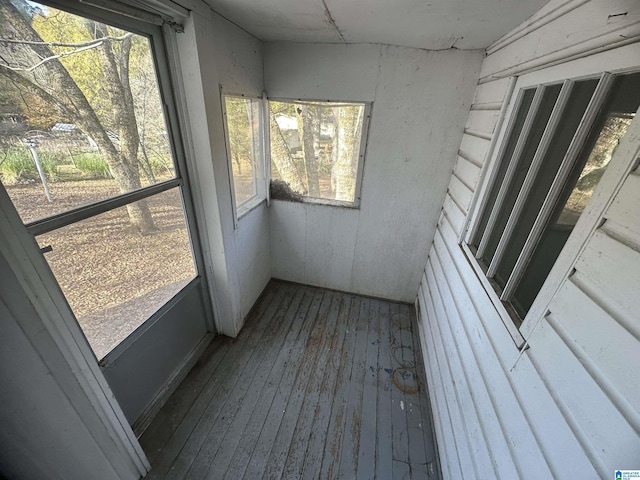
70, 45
53, 57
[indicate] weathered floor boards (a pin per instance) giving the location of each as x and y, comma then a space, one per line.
319, 384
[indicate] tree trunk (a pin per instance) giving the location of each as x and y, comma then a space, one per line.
121, 98
306, 128
347, 152
281, 157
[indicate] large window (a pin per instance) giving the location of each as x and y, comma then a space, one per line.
558, 144
244, 133
86, 156
317, 150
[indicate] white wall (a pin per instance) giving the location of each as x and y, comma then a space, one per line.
214, 52
420, 100
570, 406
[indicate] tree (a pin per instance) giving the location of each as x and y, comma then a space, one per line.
281, 157
35, 66
306, 125
348, 124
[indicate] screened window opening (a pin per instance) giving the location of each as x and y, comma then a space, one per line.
86, 157
556, 149
244, 141
317, 150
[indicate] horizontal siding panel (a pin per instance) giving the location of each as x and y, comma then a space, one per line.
613, 268
482, 121
611, 439
477, 313
460, 193
474, 146
555, 434
567, 32
447, 446
494, 443
463, 416
625, 210
491, 92
606, 345
455, 215
432, 380
467, 172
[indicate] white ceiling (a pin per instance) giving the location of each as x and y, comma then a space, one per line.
430, 24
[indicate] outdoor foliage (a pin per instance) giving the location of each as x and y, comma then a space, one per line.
17, 165
58, 68
315, 147
243, 129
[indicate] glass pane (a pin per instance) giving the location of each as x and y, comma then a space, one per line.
113, 277
549, 98
243, 129
574, 110
609, 129
81, 118
315, 149
521, 116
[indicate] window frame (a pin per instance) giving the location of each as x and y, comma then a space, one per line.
364, 140
160, 36
599, 66
259, 169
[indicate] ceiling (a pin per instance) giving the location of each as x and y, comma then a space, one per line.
429, 24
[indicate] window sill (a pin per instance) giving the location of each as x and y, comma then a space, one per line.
249, 206
322, 201
500, 307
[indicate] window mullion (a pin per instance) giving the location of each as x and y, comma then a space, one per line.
473, 224
266, 146
513, 164
571, 156
63, 219
536, 163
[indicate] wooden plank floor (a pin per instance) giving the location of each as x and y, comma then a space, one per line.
319, 384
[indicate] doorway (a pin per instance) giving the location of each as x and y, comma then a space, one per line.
91, 159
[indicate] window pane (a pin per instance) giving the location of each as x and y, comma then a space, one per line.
243, 129
81, 104
535, 134
315, 149
604, 138
113, 277
567, 126
521, 115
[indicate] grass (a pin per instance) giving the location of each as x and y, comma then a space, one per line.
92, 165
17, 165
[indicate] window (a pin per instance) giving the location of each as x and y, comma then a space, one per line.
87, 158
317, 150
558, 144
244, 147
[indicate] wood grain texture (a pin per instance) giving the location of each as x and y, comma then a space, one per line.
319, 384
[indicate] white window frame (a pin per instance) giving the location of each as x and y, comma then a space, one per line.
259, 168
595, 66
366, 121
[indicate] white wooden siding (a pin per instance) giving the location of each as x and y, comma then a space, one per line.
571, 402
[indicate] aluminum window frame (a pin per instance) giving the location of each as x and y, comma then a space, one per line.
364, 141
584, 69
159, 31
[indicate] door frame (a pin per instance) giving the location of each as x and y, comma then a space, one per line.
40, 286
